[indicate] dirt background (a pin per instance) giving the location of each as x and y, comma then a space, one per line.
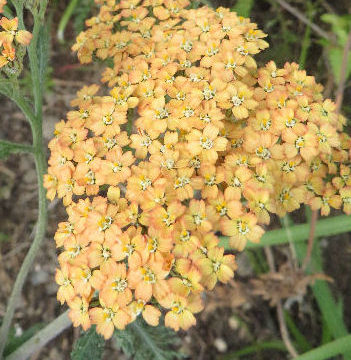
234, 317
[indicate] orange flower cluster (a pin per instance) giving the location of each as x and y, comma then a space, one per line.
10, 38
192, 140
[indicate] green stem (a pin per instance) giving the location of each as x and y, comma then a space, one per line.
306, 42
64, 20
327, 351
28, 260
33, 60
40, 339
35, 121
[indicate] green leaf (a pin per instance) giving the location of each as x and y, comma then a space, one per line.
300, 339
143, 342
255, 349
15, 342
337, 22
329, 350
90, 346
335, 56
331, 310
3, 237
6, 88
244, 7
8, 147
326, 227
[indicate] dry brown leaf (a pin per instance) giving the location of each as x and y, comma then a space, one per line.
232, 295
284, 284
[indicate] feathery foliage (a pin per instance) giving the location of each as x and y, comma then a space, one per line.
140, 341
90, 346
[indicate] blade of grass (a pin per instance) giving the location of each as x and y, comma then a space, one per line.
323, 294
331, 312
300, 339
326, 227
255, 348
244, 7
329, 350
326, 333
306, 42
64, 20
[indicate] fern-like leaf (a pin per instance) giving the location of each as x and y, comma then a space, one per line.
90, 346
140, 341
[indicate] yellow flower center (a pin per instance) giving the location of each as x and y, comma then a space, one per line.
221, 208
148, 275
105, 223
119, 284
300, 142
206, 143
243, 227
152, 244
177, 307
184, 236
237, 100
144, 182
168, 219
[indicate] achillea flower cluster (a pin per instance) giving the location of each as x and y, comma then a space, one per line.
11, 39
191, 140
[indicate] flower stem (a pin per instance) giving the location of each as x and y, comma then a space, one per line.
36, 342
35, 120
27, 263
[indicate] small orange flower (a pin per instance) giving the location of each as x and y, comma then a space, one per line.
107, 318
182, 310
11, 32
79, 312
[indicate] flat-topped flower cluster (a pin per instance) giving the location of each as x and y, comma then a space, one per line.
12, 40
187, 140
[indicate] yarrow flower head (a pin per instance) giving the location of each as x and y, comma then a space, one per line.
12, 42
191, 140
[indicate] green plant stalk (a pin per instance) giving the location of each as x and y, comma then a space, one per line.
326, 227
41, 338
326, 333
64, 20
267, 345
323, 295
306, 42
33, 61
327, 351
300, 339
331, 316
40, 163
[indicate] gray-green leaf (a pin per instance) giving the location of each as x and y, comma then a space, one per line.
90, 346
140, 341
